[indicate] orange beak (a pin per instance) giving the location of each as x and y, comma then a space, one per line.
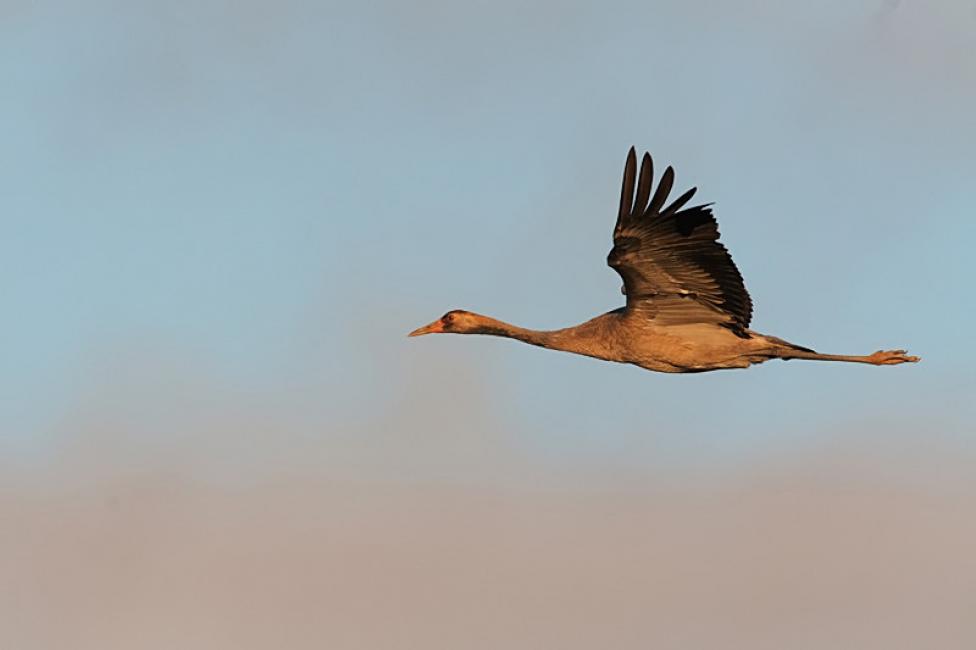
436, 327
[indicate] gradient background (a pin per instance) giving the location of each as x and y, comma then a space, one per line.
221, 218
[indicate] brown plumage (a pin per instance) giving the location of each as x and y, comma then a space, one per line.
687, 307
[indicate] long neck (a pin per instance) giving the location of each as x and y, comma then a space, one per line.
594, 338
554, 339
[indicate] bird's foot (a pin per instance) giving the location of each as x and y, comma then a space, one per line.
891, 358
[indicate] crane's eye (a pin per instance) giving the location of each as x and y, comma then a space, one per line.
448, 317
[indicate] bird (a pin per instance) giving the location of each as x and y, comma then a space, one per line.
687, 309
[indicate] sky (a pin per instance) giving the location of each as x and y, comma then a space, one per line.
221, 219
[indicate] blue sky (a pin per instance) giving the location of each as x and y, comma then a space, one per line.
259, 203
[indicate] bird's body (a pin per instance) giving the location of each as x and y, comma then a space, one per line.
687, 307
627, 338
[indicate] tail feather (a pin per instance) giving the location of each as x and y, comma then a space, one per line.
787, 344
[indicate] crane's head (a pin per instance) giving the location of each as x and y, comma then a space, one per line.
456, 321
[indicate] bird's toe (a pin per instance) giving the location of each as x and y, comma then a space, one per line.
892, 357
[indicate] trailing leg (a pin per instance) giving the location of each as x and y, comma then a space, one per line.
879, 358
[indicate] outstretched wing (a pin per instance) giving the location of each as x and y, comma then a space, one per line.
673, 266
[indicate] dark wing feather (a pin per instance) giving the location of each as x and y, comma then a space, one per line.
644, 184
627, 191
673, 266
